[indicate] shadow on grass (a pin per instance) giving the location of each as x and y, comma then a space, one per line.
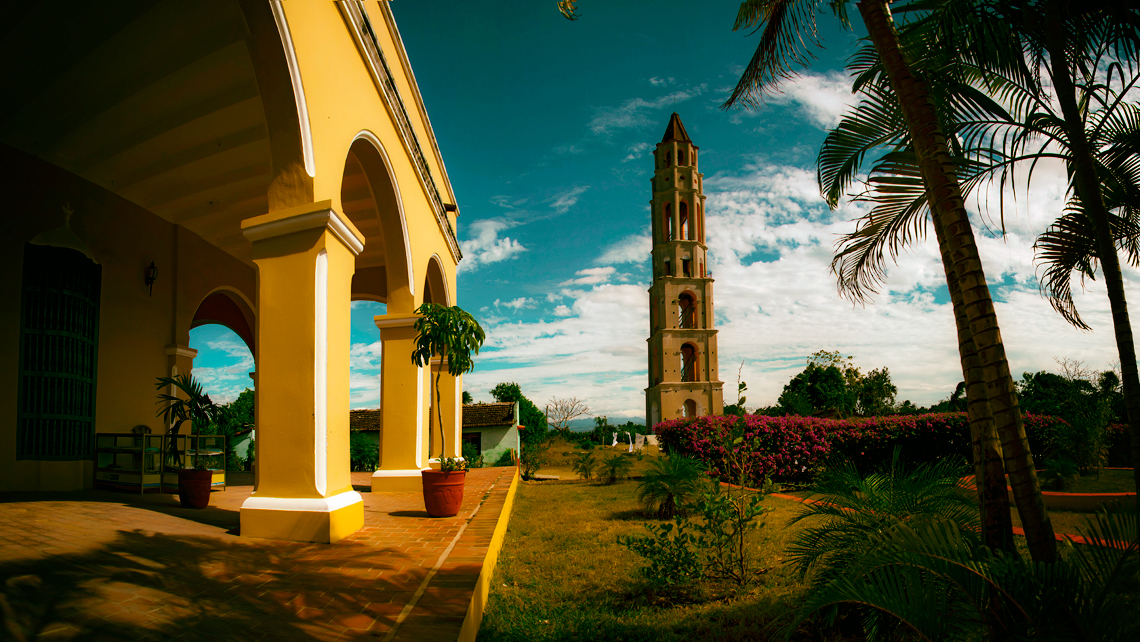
155, 586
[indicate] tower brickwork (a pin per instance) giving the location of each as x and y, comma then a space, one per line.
683, 379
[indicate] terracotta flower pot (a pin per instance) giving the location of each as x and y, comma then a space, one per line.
194, 487
443, 492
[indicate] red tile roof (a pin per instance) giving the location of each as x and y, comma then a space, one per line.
364, 419
488, 414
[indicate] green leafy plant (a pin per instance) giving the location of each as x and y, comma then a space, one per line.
932, 580
472, 456
505, 459
453, 335
585, 464
668, 549
450, 464
532, 457
852, 510
669, 484
363, 453
615, 468
192, 405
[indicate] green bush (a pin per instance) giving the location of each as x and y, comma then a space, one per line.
364, 454
533, 458
615, 468
669, 484
505, 459
585, 464
472, 456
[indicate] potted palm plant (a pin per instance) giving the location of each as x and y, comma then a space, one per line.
453, 335
193, 406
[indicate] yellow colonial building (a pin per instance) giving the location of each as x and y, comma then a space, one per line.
273, 161
683, 380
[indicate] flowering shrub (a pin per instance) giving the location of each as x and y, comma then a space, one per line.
789, 448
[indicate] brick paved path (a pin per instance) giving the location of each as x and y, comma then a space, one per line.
101, 565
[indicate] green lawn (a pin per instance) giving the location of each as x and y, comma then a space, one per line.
563, 576
1109, 481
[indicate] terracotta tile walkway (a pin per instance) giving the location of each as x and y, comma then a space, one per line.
102, 565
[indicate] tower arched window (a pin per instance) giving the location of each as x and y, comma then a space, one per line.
680, 157
667, 224
686, 311
668, 159
684, 227
689, 409
689, 363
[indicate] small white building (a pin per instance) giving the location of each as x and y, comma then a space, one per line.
493, 428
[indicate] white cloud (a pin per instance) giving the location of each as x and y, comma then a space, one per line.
632, 249
487, 247
771, 239
591, 276
661, 82
635, 111
563, 201
516, 304
636, 152
823, 97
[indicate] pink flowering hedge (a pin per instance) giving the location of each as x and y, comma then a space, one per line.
789, 448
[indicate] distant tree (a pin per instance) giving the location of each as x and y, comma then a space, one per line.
560, 412
876, 395
467, 397
533, 419
816, 389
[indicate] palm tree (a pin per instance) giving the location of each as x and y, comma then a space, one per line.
192, 405
453, 335
669, 484
851, 509
1094, 43
787, 27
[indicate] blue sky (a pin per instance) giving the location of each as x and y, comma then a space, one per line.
547, 126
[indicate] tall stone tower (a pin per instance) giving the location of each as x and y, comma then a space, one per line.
683, 379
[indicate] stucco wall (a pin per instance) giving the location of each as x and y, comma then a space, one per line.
134, 327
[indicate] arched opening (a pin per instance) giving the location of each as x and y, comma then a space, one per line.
668, 160
689, 409
686, 311
370, 199
668, 269
683, 210
225, 367
226, 309
689, 363
667, 222
680, 157
435, 285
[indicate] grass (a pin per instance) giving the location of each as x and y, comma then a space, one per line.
563, 576
1109, 481
562, 454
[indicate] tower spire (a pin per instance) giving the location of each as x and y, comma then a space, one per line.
675, 130
683, 380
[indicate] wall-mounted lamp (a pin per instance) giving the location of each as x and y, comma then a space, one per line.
151, 275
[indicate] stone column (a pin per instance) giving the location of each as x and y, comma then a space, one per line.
403, 400
305, 259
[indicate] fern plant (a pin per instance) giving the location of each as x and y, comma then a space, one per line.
856, 509
615, 468
670, 484
585, 464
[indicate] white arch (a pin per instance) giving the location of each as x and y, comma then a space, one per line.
367, 135
298, 86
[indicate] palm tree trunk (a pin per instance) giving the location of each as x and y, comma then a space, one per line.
961, 258
989, 471
1086, 181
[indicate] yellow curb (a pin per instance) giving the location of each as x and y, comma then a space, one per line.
474, 616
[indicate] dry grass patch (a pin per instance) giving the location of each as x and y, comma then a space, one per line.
563, 576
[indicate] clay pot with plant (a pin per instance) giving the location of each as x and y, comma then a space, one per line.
453, 335
193, 405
